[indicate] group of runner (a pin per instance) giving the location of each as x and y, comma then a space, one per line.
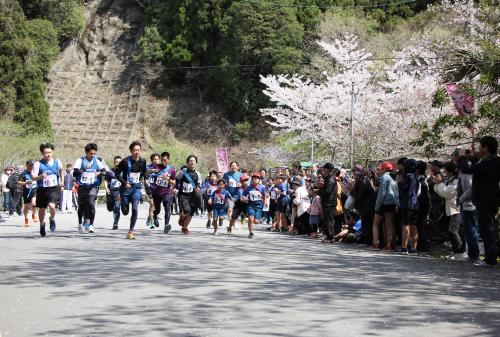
235, 195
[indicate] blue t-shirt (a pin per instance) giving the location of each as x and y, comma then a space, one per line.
283, 188
232, 180
255, 194
219, 199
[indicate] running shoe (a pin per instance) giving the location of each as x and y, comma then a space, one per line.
215, 233
152, 226
413, 252
229, 231
208, 224
130, 236
115, 226
42, 230
157, 223
167, 229
80, 229
87, 228
484, 264
250, 235
185, 231
402, 251
52, 224
26, 222
375, 246
91, 229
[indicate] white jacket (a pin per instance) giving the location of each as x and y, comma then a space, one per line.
302, 200
448, 191
4, 182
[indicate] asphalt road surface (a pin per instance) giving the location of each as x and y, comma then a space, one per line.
69, 284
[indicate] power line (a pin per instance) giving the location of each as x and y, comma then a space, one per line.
277, 4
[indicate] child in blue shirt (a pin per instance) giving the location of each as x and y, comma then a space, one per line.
218, 200
208, 189
254, 195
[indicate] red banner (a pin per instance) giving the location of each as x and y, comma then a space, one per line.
464, 103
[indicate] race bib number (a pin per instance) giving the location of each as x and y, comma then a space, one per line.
211, 190
233, 183
219, 199
187, 187
151, 179
255, 196
134, 177
115, 183
88, 178
50, 181
162, 182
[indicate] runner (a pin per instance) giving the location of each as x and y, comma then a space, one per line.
29, 192
47, 173
151, 171
208, 188
240, 207
218, 200
88, 172
232, 179
254, 195
162, 183
189, 183
130, 172
112, 185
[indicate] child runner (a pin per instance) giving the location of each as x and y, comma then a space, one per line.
112, 185
151, 171
232, 179
130, 172
283, 201
162, 190
240, 207
88, 172
47, 173
254, 196
189, 184
29, 192
219, 200
208, 188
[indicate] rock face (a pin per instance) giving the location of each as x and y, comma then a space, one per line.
94, 90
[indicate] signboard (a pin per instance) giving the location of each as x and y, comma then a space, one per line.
222, 160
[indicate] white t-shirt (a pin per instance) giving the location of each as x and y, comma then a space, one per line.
5, 177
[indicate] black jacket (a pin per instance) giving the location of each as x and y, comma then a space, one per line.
485, 180
364, 195
328, 192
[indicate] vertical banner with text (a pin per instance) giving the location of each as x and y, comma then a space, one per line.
222, 160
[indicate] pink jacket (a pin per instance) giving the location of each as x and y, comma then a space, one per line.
315, 206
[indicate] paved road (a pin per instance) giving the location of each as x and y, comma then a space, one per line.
200, 285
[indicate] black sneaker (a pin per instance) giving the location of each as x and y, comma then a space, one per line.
115, 226
208, 224
157, 223
42, 230
52, 223
167, 229
250, 235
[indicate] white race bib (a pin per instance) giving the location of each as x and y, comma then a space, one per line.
232, 182
187, 187
115, 183
50, 181
134, 177
88, 178
255, 196
162, 182
219, 199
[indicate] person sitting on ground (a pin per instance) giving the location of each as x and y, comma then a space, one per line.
352, 232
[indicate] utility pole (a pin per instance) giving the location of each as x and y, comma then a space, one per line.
353, 107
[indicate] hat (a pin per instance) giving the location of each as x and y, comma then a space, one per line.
329, 166
386, 166
256, 175
436, 163
297, 181
244, 177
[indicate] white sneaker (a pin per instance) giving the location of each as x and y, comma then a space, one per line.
91, 229
80, 229
459, 257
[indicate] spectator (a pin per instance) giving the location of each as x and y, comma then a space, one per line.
437, 226
447, 189
467, 210
16, 191
486, 196
302, 202
328, 194
424, 206
385, 207
408, 203
67, 194
363, 193
5, 189
352, 232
